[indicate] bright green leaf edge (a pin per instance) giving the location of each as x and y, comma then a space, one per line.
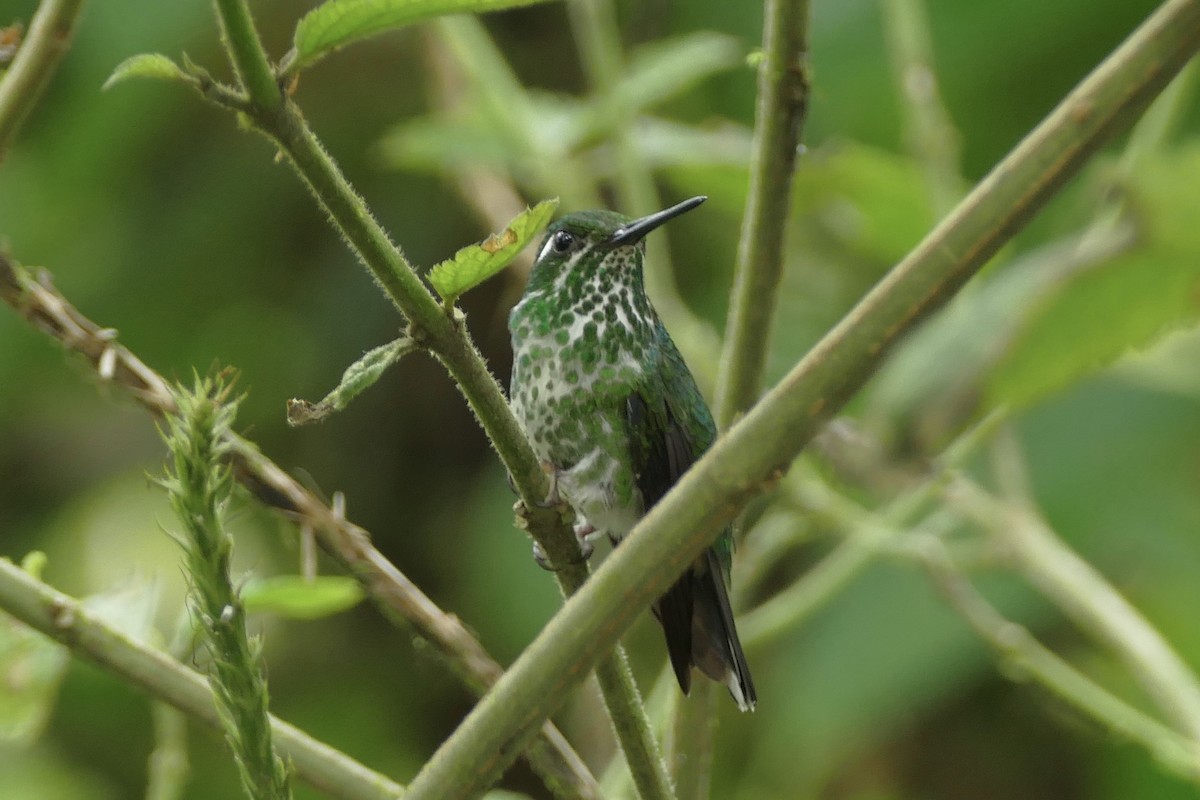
474, 264
337, 23
146, 65
299, 598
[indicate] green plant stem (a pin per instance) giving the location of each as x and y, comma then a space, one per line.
249, 59
632, 728
1029, 658
779, 117
594, 23
397, 597
199, 483
167, 770
1091, 601
152, 671
46, 43
746, 459
932, 138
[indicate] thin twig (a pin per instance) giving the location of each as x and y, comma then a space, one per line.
65, 620
782, 106
46, 43
1087, 598
1029, 658
932, 138
400, 600
743, 462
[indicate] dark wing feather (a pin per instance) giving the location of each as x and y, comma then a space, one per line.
661, 451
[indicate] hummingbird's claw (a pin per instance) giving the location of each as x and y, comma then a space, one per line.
553, 498
539, 555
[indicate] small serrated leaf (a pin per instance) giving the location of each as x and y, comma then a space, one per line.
358, 377
337, 23
146, 65
299, 598
476, 263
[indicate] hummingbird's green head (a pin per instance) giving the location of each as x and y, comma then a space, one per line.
581, 243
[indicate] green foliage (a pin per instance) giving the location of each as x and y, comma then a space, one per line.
32, 668
556, 126
474, 264
299, 598
1121, 304
1111, 453
145, 65
357, 378
337, 23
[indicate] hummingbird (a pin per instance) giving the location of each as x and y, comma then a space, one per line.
615, 416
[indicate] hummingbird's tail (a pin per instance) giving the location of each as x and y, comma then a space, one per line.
698, 622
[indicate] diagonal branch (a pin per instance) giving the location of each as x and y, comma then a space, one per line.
400, 600
745, 460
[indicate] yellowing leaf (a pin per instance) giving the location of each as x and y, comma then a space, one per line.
494, 243
476, 263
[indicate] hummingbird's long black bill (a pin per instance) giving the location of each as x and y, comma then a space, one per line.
634, 231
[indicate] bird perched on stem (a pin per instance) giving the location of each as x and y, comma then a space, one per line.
612, 411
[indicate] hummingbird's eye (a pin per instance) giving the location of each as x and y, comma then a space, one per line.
562, 242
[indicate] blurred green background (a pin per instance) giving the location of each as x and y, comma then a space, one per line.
157, 216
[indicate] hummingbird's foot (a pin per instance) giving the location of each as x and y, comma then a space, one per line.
539, 555
553, 498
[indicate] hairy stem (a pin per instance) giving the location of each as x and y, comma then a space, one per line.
199, 483
249, 59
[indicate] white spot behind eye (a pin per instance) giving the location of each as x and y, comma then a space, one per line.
546, 248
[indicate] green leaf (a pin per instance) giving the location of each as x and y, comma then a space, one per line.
32, 667
298, 598
1124, 304
666, 68
440, 143
357, 378
337, 23
146, 65
656, 73
476, 263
